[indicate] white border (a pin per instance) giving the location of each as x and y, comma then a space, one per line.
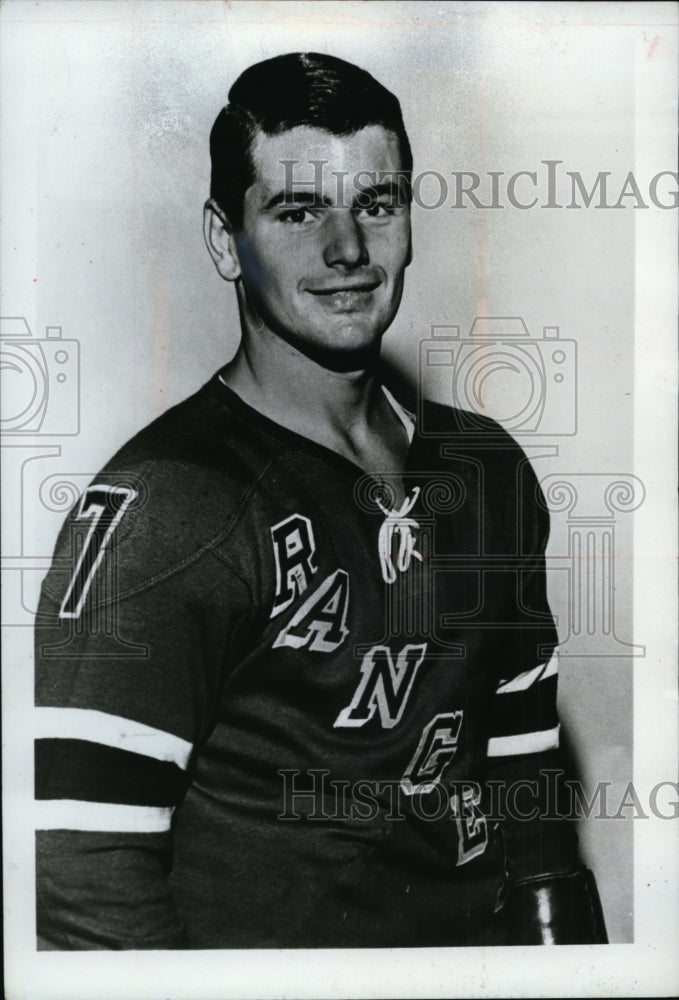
646, 968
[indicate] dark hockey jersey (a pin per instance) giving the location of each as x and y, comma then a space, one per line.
271, 692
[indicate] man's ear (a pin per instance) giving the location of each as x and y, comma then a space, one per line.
219, 241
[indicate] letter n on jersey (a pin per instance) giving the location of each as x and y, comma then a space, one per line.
384, 686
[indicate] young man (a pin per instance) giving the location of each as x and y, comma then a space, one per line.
294, 651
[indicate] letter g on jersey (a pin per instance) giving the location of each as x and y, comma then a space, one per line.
436, 749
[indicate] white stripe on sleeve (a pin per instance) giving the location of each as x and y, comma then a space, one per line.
507, 746
112, 731
104, 817
523, 681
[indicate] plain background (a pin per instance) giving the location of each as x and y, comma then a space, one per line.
107, 112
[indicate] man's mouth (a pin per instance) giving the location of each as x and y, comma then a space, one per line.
345, 297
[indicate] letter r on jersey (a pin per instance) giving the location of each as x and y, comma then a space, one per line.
293, 548
384, 686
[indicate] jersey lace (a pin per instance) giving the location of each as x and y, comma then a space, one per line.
396, 522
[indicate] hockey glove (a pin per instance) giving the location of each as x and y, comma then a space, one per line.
559, 908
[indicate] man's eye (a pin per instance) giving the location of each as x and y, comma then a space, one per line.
295, 215
379, 209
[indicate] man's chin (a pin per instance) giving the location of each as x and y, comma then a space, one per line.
341, 350
345, 357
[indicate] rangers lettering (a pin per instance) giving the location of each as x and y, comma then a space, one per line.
320, 622
384, 686
436, 749
294, 548
471, 823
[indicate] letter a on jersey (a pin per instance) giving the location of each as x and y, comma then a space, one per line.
320, 622
384, 687
293, 549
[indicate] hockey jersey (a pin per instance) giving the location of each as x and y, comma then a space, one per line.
272, 692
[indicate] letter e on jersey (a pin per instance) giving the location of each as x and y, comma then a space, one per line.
471, 823
384, 687
293, 548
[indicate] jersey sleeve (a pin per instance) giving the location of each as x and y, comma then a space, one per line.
525, 757
133, 643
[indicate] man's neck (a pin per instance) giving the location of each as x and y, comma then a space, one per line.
346, 411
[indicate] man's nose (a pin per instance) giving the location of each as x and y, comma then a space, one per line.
345, 244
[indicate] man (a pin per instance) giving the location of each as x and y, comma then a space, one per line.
294, 652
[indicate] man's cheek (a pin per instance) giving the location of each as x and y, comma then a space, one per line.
255, 270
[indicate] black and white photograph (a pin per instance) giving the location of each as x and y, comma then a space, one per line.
339, 382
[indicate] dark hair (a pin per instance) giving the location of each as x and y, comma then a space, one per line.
301, 88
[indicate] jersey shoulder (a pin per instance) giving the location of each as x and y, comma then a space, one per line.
466, 427
482, 451
169, 495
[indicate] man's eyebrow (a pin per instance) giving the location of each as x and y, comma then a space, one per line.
288, 197
391, 188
